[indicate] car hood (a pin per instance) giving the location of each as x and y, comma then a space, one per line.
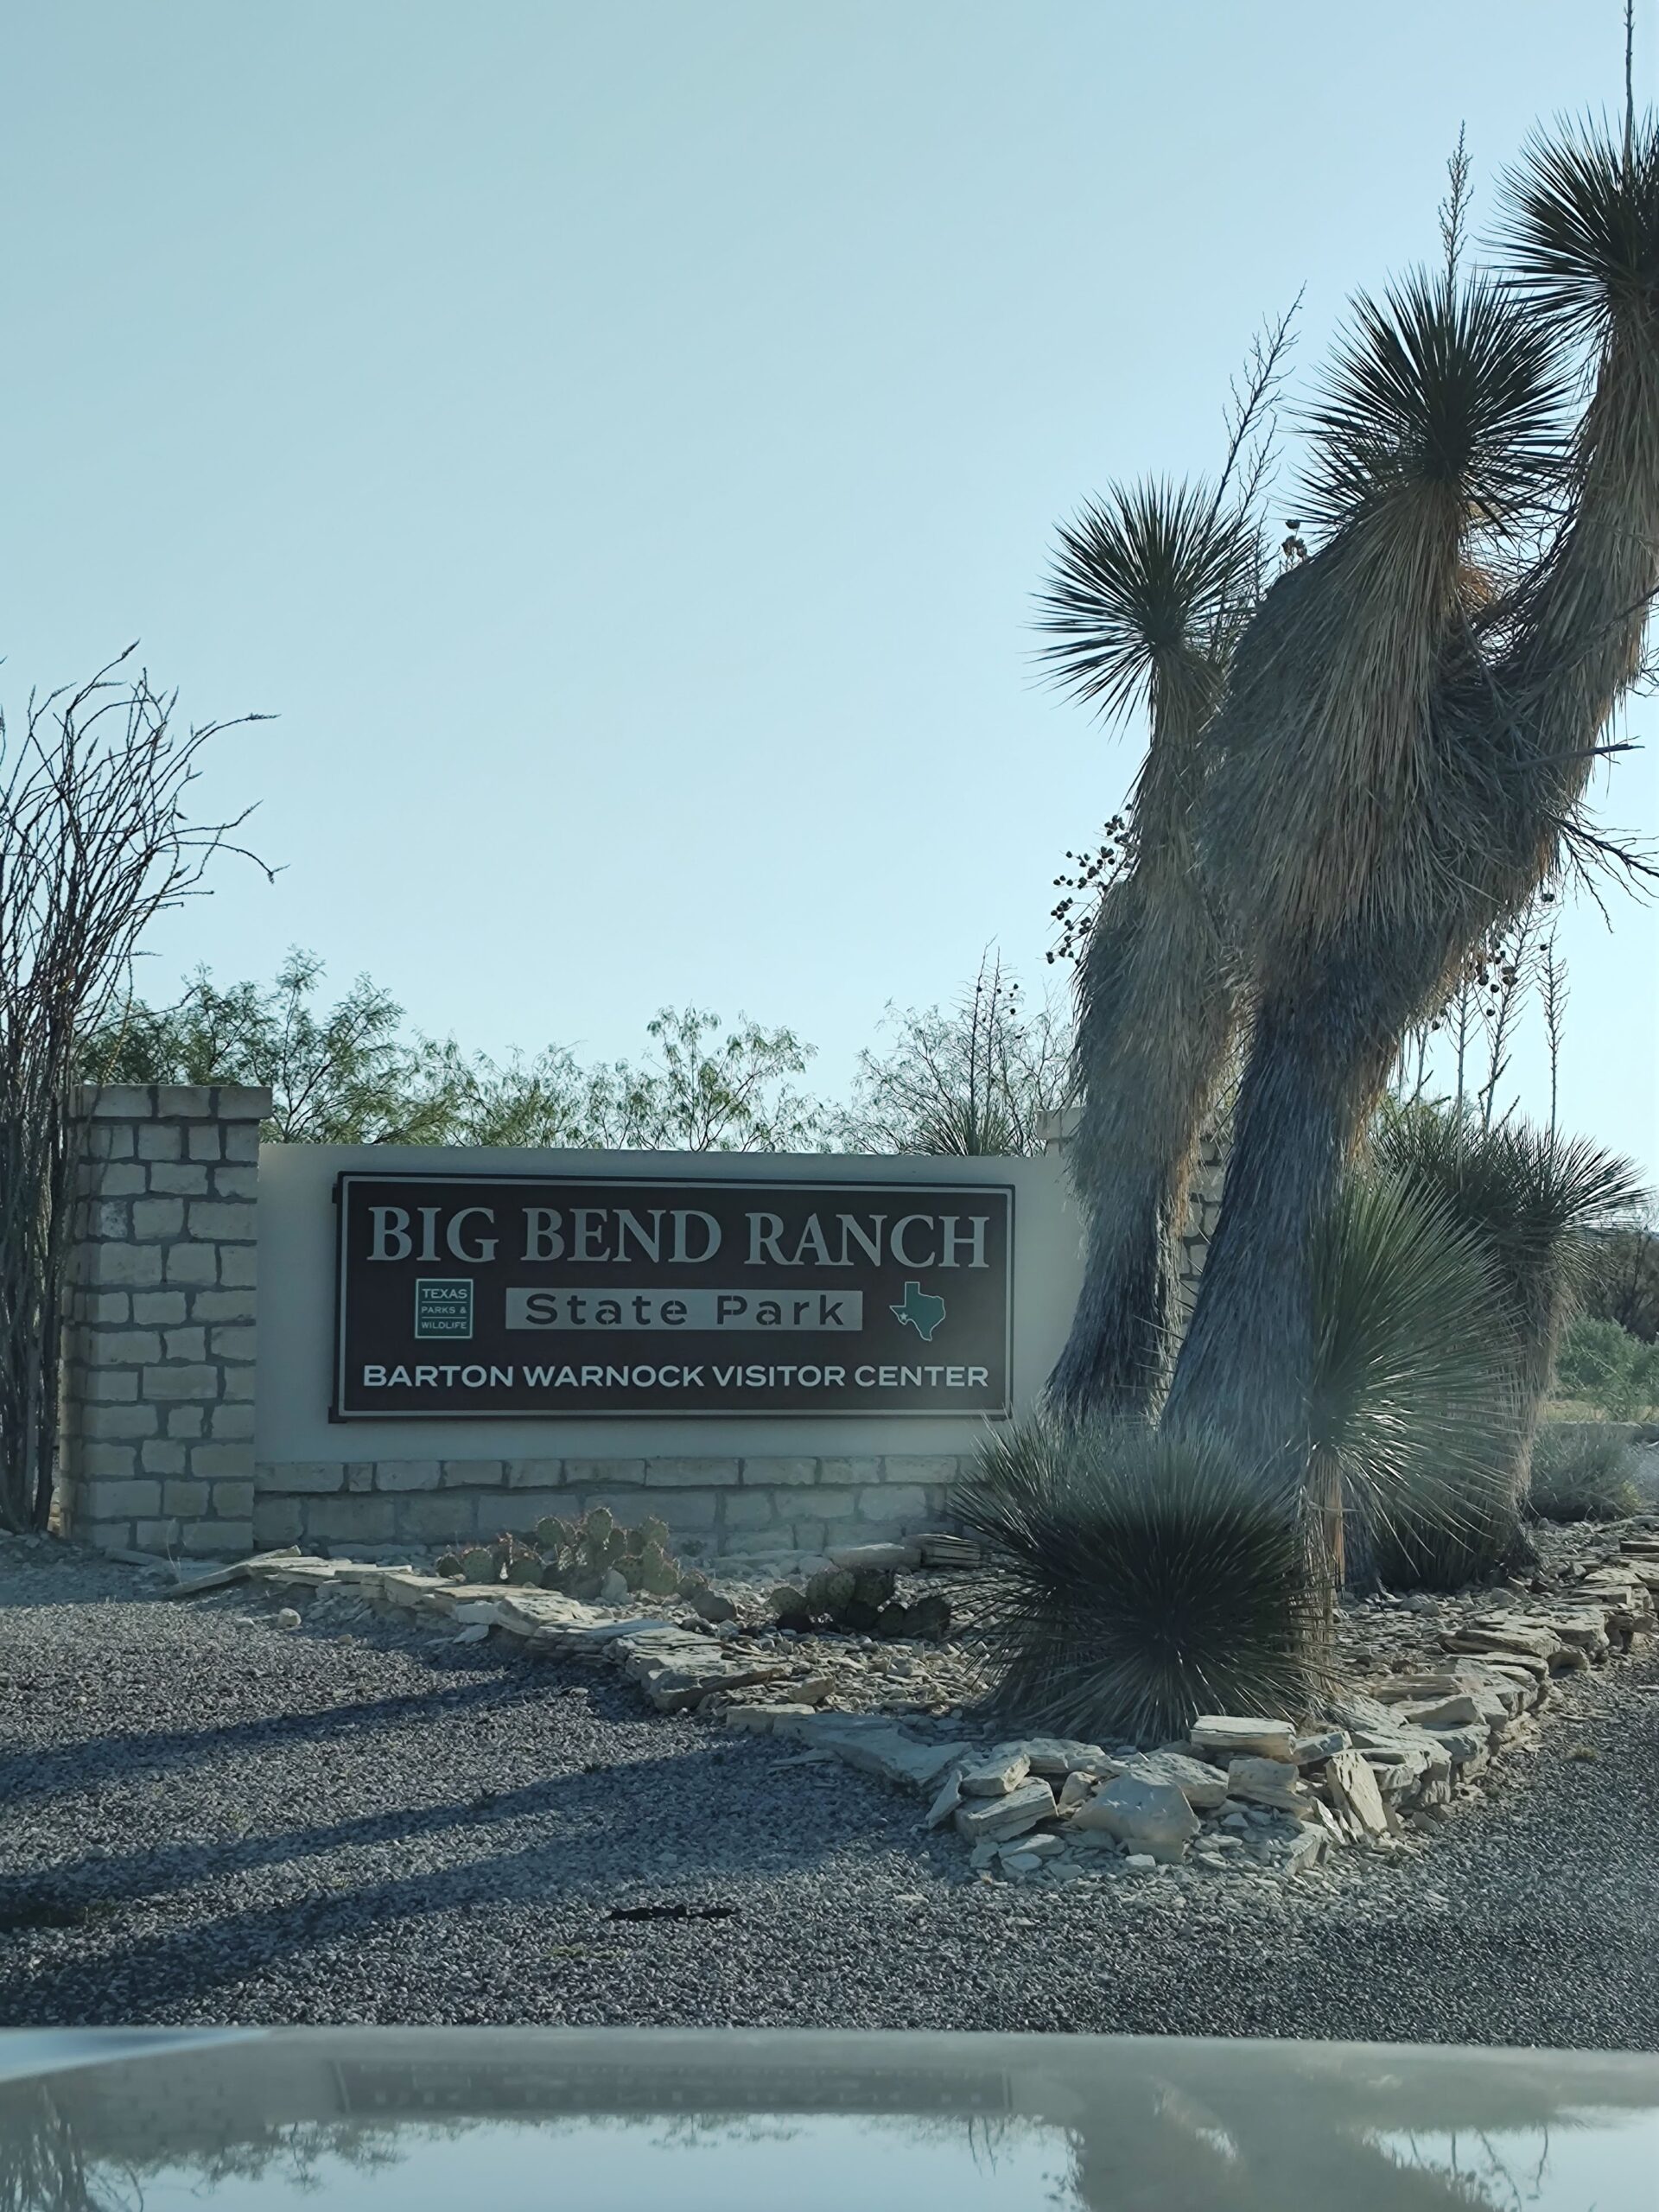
738, 2118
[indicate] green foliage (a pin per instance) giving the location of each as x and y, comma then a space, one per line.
350, 1074
1621, 1279
1582, 1472
1411, 1414
338, 1075
977, 1079
1582, 229
1605, 1366
1146, 1579
1440, 383
1143, 589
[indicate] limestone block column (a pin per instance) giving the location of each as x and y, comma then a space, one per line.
157, 1450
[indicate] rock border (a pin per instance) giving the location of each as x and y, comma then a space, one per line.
1241, 1791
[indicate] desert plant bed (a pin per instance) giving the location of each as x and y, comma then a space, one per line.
1431, 1691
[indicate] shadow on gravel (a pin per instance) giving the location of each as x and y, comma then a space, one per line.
169, 1976
83, 1766
596, 1802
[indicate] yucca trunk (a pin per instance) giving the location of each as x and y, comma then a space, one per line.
1319, 1059
1154, 1023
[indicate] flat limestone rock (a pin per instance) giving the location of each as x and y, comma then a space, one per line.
1204, 1787
1034, 1847
1306, 1851
1456, 1712
672, 1688
444, 1597
996, 1775
1053, 1756
994, 1820
241, 1570
1587, 1632
1466, 1747
895, 1757
902, 1559
1354, 1793
943, 1551
945, 1803
1314, 1750
668, 1647
1231, 1738
603, 1636
760, 1719
1266, 1782
1540, 1645
299, 1572
1152, 1817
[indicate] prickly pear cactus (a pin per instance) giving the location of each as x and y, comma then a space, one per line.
449, 1564
659, 1576
479, 1565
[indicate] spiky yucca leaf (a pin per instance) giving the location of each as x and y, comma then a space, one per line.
1581, 227
1438, 385
1145, 1580
1411, 1411
1139, 592
1427, 1548
1534, 1196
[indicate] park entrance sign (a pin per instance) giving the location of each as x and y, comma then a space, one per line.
515, 1295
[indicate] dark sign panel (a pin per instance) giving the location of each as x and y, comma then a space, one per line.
464, 1294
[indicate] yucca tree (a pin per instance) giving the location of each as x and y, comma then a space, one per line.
1144, 604
1410, 730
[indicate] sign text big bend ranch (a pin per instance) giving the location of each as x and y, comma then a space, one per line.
500, 1294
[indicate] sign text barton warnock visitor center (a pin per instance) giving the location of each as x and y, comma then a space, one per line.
515, 1295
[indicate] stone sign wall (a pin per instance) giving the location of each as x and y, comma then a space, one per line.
203, 1343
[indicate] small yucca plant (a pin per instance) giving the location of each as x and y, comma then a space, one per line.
1532, 1199
1145, 1580
1412, 1417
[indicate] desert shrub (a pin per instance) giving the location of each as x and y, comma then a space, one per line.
1582, 1471
1411, 1412
1146, 1579
1603, 1366
1621, 1278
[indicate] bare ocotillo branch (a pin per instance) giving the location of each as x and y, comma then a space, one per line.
95, 841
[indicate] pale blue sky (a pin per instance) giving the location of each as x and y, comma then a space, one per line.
621, 441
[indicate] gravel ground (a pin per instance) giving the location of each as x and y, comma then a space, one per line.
204, 1818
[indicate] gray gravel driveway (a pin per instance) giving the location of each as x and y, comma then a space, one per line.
204, 1818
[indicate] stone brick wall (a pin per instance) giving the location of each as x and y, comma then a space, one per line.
1203, 1211
728, 1505
158, 1450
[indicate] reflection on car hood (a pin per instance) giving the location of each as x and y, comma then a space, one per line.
396, 2121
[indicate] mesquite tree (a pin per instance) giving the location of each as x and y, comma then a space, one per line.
94, 843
